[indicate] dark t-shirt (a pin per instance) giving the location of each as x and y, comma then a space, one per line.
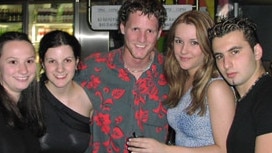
16, 140
66, 130
253, 117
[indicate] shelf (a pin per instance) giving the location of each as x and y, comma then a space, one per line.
53, 24
10, 26
40, 29
10, 23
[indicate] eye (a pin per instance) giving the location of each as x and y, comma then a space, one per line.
51, 61
150, 31
30, 61
194, 43
218, 56
134, 29
178, 41
68, 60
235, 51
12, 62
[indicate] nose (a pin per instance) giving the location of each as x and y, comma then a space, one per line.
227, 63
142, 36
60, 67
23, 69
184, 48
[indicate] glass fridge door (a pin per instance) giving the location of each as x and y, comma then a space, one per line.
11, 17
48, 16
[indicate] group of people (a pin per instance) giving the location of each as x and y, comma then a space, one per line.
210, 87
48, 116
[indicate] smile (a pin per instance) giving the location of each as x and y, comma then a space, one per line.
22, 78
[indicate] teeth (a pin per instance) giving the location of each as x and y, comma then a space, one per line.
22, 78
60, 76
141, 46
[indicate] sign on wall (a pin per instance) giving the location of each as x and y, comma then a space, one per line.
105, 17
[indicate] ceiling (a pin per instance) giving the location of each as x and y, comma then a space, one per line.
255, 2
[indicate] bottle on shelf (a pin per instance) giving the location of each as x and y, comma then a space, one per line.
5, 15
67, 14
1, 14
10, 15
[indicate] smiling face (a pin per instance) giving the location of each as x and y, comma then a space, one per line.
141, 33
60, 65
17, 66
187, 49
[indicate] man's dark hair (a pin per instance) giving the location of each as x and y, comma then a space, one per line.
227, 25
147, 7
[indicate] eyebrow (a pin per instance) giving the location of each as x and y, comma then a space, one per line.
231, 49
235, 47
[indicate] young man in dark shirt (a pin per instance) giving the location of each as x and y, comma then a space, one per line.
238, 54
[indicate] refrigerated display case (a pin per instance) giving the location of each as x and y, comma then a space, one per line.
11, 16
47, 16
37, 17
67, 15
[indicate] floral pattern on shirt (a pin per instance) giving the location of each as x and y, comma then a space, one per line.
121, 103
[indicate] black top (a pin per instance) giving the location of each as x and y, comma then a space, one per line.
16, 140
67, 131
252, 118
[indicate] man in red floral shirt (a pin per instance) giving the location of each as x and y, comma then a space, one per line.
127, 86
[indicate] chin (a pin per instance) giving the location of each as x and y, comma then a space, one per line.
21, 88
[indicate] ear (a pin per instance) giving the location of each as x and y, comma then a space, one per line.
159, 34
42, 65
258, 52
77, 61
122, 28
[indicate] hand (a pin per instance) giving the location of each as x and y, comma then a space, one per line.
145, 145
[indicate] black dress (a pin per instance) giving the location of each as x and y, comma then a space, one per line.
67, 131
16, 140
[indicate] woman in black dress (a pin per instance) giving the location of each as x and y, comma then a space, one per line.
20, 115
66, 107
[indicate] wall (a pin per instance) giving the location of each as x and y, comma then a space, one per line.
261, 14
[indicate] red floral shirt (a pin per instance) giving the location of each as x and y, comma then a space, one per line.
122, 104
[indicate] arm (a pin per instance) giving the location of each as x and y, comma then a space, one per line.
264, 143
221, 103
222, 109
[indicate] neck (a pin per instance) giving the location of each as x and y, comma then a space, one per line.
245, 89
60, 91
15, 96
138, 69
138, 65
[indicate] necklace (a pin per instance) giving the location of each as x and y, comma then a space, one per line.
139, 70
240, 98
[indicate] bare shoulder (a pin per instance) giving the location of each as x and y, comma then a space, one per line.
220, 92
83, 98
218, 86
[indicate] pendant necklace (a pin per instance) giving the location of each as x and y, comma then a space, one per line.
140, 70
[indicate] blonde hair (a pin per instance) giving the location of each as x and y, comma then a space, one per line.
177, 77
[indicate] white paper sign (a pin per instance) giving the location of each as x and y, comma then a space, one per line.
105, 17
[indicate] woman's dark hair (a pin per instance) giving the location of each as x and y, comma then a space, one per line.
10, 36
54, 39
26, 113
147, 7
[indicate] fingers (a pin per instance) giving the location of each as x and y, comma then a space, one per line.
135, 142
141, 145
